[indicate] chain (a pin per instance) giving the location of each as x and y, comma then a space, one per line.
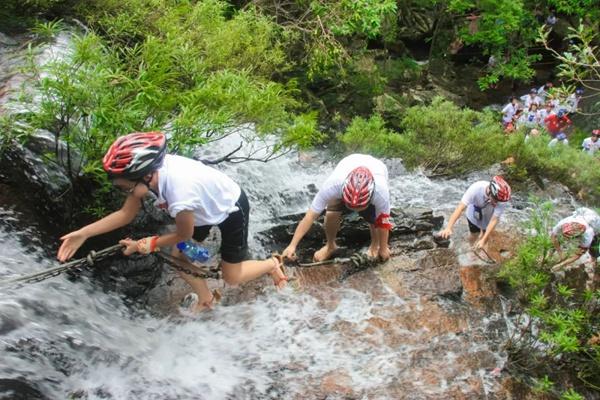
90, 259
357, 260
189, 268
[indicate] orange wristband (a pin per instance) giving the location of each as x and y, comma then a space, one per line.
147, 245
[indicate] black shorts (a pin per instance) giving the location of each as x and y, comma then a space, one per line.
234, 232
368, 213
595, 247
474, 228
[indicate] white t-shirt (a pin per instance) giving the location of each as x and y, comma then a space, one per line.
589, 146
332, 187
528, 100
529, 119
572, 102
186, 184
585, 240
508, 112
475, 199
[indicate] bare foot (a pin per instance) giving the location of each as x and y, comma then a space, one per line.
279, 278
373, 252
324, 253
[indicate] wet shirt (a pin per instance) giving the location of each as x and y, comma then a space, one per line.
590, 146
332, 187
479, 207
529, 100
189, 185
585, 240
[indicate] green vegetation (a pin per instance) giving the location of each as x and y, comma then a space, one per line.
559, 325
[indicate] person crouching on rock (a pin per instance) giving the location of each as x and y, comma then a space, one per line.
359, 183
485, 202
574, 228
196, 195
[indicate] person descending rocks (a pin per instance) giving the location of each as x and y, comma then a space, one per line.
578, 229
592, 144
197, 196
485, 202
358, 183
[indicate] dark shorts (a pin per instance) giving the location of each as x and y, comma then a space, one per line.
234, 232
595, 247
473, 228
368, 213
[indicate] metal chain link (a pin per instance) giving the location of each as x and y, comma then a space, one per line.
190, 269
90, 259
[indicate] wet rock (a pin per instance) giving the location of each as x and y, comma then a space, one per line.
17, 389
413, 228
479, 282
336, 383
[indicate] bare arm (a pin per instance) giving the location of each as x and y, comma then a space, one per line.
73, 240
453, 218
384, 249
184, 230
490, 228
301, 230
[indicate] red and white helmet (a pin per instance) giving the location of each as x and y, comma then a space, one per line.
135, 155
499, 189
572, 229
358, 188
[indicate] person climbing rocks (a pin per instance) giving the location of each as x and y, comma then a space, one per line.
358, 183
573, 100
197, 196
556, 123
485, 202
569, 229
591, 144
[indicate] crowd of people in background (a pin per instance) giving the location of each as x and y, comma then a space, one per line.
546, 109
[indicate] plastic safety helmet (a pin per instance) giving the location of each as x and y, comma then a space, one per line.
579, 91
358, 188
135, 155
572, 229
499, 189
561, 113
596, 132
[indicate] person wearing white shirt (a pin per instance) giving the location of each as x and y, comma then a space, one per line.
509, 111
195, 195
358, 183
530, 98
484, 202
573, 228
591, 145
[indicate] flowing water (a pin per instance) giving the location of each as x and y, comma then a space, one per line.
368, 337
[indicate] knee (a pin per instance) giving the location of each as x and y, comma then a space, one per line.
230, 276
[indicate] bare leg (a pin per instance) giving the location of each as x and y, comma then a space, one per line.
373, 251
332, 226
245, 271
198, 285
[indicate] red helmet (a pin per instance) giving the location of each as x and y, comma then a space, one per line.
572, 229
499, 189
596, 132
135, 155
358, 188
